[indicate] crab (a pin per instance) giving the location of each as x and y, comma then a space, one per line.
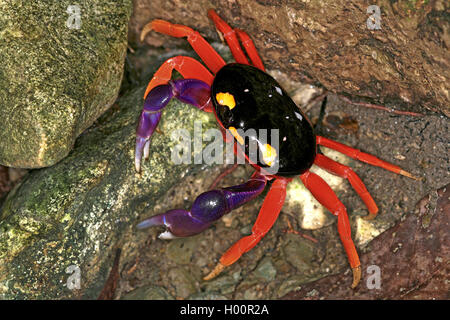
243, 96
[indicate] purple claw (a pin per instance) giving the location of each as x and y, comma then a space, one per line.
140, 142
179, 223
155, 101
146, 149
157, 220
207, 208
190, 91
147, 125
193, 92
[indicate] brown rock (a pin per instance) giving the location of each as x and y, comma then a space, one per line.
404, 64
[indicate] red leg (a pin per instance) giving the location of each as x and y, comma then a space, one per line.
207, 53
266, 218
230, 36
326, 196
249, 47
347, 172
187, 66
361, 156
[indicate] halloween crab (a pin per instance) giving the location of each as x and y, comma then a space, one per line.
243, 96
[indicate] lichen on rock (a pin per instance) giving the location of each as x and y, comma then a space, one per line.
57, 75
77, 211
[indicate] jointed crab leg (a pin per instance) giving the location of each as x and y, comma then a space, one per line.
266, 218
191, 91
187, 66
207, 53
207, 208
249, 46
362, 156
230, 36
348, 173
326, 196
232, 40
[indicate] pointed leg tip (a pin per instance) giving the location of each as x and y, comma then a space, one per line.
147, 28
409, 175
370, 216
356, 276
214, 273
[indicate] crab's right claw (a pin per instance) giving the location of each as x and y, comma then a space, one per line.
142, 145
147, 125
154, 102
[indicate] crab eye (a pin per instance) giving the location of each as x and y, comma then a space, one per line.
226, 99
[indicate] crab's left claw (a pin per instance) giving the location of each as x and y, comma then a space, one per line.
178, 223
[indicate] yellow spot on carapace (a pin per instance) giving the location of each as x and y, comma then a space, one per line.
269, 154
226, 99
236, 135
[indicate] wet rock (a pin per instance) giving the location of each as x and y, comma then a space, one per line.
300, 253
252, 293
207, 296
73, 214
255, 290
62, 67
223, 284
265, 270
180, 250
407, 262
246, 230
148, 293
183, 281
289, 285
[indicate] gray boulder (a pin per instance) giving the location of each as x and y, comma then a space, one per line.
62, 67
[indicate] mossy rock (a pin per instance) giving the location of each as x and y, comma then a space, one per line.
79, 210
58, 74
